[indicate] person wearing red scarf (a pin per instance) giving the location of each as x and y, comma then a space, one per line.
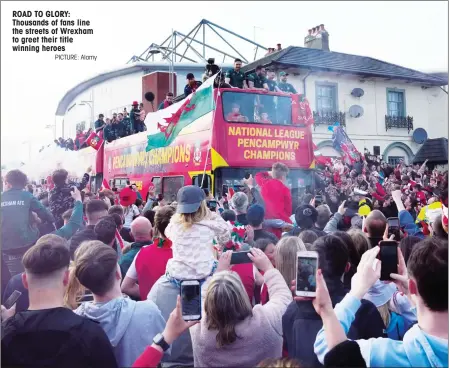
167, 102
192, 85
150, 263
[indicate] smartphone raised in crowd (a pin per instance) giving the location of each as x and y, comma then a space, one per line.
240, 257
191, 300
307, 264
12, 299
388, 255
394, 228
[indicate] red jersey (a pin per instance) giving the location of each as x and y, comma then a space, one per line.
277, 197
150, 264
246, 273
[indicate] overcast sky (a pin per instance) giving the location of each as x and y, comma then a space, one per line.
412, 34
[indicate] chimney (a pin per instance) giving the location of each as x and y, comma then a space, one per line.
279, 47
318, 38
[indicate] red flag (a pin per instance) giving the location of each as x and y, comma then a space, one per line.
94, 140
119, 238
105, 185
301, 112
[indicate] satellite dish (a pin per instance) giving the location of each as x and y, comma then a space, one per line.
357, 92
419, 136
355, 111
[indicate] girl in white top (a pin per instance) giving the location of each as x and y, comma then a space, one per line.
192, 231
130, 212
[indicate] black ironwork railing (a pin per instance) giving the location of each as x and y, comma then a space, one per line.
328, 118
401, 122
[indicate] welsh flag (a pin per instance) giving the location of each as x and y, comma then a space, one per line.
195, 105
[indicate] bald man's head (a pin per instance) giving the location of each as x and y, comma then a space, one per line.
141, 229
375, 224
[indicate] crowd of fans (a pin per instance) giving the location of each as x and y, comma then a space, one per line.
100, 274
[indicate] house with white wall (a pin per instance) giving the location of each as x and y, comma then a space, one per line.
379, 104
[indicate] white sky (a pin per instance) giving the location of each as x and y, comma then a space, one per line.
412, 34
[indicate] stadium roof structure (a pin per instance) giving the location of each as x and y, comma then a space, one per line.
170, 52
330, 61
126, 69
171, 47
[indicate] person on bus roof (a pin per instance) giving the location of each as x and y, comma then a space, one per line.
167, 102
99, 124
192, 85
137, 125
235, 77
257, 79
235, 114
283, 85
272, 84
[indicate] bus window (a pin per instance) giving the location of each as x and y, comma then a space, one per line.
157, 185
170, 187
119, 183
257, 108
198, 180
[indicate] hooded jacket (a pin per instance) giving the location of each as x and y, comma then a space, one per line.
17, 205
301, 323
418, 349
54, 337
129, 325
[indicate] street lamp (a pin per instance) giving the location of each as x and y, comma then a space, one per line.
52, 126
171, 70
91, 105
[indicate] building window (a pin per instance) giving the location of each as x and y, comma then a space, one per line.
395, 102
326, 97
395, 160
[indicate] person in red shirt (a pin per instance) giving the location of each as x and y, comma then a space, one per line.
149, 264
264, 119
235, 115
420, 195
276, 194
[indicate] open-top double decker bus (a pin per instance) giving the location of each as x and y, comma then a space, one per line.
241, 132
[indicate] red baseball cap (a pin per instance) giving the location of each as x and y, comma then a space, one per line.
135, 103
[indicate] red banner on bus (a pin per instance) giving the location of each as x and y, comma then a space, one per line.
250, 145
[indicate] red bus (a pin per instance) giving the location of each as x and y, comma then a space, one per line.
245, 132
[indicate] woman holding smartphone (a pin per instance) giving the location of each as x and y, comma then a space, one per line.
231, 332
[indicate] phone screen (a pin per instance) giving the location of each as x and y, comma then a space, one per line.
12, 299
191, 301
305, 279
393, 222
240, 257
388, 255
